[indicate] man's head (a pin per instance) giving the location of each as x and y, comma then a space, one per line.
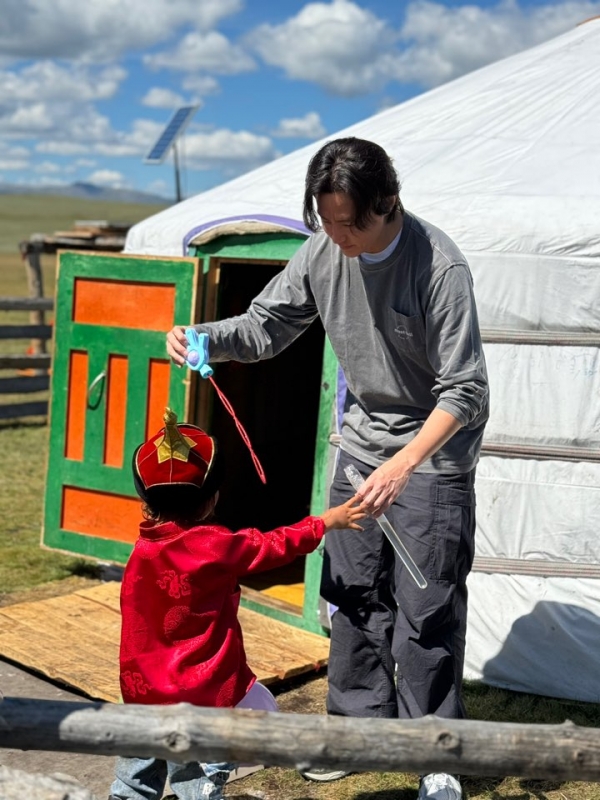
177, 472
362, 173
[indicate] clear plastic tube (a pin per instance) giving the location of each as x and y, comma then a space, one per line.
357, 480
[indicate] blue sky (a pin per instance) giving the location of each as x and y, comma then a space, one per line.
87, 87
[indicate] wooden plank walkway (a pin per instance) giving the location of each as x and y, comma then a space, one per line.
74, 639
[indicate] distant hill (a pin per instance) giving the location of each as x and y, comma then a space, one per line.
88, 191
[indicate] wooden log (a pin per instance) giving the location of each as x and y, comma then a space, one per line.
26, 303
36, 289
187, 733
16, 785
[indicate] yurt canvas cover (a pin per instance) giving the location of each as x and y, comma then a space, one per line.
506, 160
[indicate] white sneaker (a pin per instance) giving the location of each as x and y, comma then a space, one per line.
439, 786
322, 774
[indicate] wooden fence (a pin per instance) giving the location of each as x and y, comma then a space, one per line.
32, 368
187, 733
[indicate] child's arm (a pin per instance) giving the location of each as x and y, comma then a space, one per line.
344, 516
253, 551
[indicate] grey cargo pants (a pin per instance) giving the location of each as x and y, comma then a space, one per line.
397, 650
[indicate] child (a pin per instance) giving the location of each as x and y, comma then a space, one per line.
181, 640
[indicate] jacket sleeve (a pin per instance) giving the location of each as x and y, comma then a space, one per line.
454, 346
250, 550
278, 315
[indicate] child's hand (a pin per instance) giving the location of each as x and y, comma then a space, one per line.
344, 516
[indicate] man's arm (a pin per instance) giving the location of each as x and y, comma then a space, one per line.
277, 316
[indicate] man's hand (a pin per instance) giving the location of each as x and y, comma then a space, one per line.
389, 480
177, 345
383, 486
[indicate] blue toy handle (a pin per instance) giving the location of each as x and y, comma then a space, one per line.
197, 357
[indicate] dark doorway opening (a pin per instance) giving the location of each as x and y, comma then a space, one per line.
277, 402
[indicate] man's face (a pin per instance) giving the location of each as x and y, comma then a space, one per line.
336, 210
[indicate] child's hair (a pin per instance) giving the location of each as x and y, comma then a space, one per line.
178, 503
177, 472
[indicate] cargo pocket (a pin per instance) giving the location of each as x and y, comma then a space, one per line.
453, 531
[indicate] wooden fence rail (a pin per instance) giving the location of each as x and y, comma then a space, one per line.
34, 366
187, 733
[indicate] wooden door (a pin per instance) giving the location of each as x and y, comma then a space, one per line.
111, 381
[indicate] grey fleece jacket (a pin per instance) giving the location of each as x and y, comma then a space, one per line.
404, 330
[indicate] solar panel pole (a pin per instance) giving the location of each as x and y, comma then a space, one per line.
177, 176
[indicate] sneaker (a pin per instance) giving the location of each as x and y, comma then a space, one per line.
439, 786
323, 774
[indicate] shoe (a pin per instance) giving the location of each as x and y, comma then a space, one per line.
439, 786
323, 774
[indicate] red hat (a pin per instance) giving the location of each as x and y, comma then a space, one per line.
178, 455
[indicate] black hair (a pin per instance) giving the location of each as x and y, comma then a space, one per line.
359, 168
182, 502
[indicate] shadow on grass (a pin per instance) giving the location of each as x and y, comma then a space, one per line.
23, 423
85, 569
538, 789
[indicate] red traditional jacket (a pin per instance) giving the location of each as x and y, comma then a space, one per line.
180, 636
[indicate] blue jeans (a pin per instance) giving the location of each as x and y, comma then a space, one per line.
145, 779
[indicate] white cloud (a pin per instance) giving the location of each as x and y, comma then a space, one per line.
348, 50
48, 100
13, 151
61, 148
338, 45
158, 97
98, 30
234, 151
14, 164
47, 168
442, 43
28, 120
52, 82
202, 85
307, 127
211, 52
108, 177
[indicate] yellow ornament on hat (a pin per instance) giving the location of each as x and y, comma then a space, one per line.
173, 444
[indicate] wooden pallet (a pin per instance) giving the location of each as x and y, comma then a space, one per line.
74, 639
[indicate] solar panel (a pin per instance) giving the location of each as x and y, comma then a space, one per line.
174, 129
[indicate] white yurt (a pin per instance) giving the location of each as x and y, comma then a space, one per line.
506, 160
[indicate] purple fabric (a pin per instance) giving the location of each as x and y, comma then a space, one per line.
292, 224
341, 390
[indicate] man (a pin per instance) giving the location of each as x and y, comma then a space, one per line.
395, 297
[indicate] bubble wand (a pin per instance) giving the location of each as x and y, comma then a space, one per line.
357, 480
197, 359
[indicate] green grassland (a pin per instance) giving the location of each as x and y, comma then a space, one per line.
24, 565
21, 216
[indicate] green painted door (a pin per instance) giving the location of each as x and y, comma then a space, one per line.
111, 381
